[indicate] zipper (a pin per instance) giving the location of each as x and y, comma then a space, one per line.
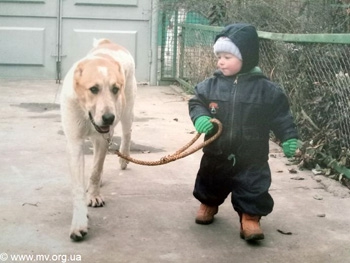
234, 92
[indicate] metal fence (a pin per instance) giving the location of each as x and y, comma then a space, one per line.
315, 75
312, 69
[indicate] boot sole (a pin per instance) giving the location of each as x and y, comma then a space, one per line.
255, 237
201, 222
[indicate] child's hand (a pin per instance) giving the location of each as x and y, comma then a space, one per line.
289, 147
203, 124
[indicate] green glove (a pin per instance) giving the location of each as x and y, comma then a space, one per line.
289, 147
203, 124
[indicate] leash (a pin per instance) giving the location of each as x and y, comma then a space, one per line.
181, 153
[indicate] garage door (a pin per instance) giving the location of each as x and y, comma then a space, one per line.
41, 39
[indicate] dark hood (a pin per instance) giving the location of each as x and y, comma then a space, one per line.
245, 37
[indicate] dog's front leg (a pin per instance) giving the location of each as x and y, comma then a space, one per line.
94, 198
79, 227
126, 122
125, 147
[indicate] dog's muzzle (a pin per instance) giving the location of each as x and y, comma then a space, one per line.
107, 119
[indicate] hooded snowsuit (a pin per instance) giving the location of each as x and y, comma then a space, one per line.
249, 106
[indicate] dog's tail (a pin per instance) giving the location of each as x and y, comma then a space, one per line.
101, 41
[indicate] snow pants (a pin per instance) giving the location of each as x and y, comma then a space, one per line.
247, 182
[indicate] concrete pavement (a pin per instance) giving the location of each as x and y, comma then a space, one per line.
149, 212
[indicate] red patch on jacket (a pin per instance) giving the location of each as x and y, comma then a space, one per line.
213, 106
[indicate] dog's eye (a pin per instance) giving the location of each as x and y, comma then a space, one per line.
94, 89
115, 89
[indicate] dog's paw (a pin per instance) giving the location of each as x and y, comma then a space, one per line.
95, 201
123, 163
79, 227
78, 234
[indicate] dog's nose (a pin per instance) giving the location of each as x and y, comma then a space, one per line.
108, 118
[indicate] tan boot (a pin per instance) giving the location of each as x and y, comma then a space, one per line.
250, 228
205, 214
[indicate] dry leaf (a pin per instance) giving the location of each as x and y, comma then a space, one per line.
297, 178
283, 232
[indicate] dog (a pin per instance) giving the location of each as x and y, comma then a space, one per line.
97, 92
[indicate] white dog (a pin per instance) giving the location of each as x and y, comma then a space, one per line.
98, 92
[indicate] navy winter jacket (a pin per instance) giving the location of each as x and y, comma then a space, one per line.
248, 105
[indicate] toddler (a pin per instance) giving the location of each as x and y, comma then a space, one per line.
249, 106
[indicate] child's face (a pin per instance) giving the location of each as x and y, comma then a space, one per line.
228, 63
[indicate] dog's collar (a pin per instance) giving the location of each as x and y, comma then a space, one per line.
97, 128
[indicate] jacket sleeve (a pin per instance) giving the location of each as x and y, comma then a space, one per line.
282, 123
198, 104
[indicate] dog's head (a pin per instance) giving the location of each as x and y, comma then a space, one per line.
99, 84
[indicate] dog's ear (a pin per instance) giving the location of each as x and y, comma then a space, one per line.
78, 73
120, 74
79, 70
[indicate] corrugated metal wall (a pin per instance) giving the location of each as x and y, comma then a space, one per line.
40, 39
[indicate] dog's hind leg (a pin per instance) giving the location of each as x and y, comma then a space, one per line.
79, 227
94, 198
